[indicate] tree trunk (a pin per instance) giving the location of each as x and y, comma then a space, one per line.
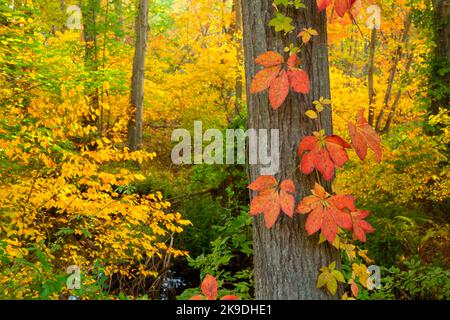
393, 111
90, 30
370, 72
137, 80
286, 260
393, 72
240, 58
441, 80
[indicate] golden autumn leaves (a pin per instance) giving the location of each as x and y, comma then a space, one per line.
327, 213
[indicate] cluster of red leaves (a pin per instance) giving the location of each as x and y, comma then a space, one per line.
272, 198
278, 78
324, 153
327, 213
340, 6
210, 290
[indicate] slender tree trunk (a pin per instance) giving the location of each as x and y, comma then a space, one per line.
394, 68
90, 30
286, 260
240, 58
441, 80
394, 107
370, 72
137, 80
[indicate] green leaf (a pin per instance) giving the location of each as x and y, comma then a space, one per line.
338, 275
282, 23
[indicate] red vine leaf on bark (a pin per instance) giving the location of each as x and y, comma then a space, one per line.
279, 90
324, 153
324, 215
364, 137
278, 78
340, 6
269, 59
272, 198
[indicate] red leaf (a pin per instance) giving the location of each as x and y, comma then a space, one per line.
264, 78
293, 61
279, 90
263, 183
323, 214
360, 226
230, 298
269, 59
323, 4
210, 288
363, 136
322, 153
288, 186
272, 210
287, 199
336, 147
270, 201
355, 289
343, 6
299, 80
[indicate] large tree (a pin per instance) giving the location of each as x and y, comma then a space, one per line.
286, 260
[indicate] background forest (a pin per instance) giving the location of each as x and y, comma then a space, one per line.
73, 194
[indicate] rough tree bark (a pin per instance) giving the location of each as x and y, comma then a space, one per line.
137, 79
286, 260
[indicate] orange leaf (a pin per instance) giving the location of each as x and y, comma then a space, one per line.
323, 153
264, 78
324, 215
287, 199
355, 289
210, 288
364, 136
269, 59
279, 90
198, 297
293, 61
263, 183
270, 201
360, 226
299, 80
